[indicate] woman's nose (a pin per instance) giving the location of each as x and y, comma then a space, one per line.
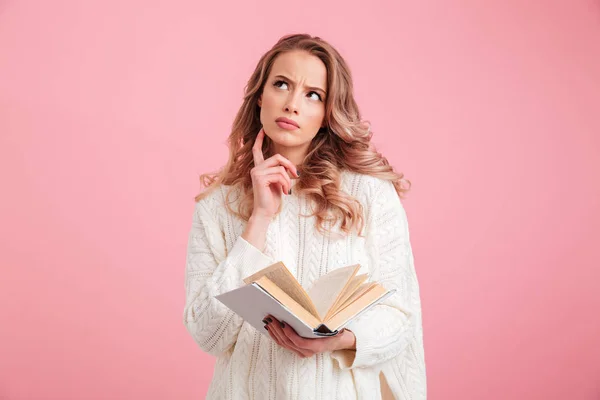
292, 103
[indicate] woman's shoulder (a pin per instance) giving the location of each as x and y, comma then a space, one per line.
212, 200
363, 186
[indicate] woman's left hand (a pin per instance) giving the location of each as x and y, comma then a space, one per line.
285, 336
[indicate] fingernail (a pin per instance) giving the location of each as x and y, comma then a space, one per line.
298, 173
265, 321
269, 319
282, 324
266, 327
290, 192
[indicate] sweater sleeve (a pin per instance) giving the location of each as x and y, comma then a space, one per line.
384, 331
212, 269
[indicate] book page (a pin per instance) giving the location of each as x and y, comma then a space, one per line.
297, 309
372, 296
364, 288
283, 278
327, 289
349, 291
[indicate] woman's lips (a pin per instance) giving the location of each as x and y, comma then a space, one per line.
285, 125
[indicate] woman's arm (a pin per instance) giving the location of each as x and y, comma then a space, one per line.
212, 270
385, 331
256, 231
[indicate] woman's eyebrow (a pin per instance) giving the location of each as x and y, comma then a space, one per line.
308, 87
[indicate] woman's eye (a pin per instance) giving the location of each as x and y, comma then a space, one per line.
279, 83
318, 95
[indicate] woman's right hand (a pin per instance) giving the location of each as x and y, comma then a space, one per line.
269, 179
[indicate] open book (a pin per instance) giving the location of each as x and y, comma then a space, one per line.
332, 302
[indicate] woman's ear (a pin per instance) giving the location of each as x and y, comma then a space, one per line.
260, 101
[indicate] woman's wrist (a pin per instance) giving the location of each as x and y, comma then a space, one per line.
256, 230
347, 340
260, 219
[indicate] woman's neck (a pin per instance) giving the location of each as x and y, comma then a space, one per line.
295, 154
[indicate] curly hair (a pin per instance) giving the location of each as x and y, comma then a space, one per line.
343, 144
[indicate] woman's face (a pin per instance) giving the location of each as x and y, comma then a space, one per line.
295, 89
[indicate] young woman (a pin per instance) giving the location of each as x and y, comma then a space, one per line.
304, 185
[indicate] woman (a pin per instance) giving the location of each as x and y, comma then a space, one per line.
305, 186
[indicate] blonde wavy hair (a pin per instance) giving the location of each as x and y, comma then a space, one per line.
343, 144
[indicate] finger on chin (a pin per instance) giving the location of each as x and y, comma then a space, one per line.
257, 148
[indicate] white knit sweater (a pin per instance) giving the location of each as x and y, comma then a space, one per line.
389, 337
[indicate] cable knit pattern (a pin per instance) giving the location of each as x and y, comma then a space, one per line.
389, 337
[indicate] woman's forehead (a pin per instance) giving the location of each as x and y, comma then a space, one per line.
301, 67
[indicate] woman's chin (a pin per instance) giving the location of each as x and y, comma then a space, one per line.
284, 137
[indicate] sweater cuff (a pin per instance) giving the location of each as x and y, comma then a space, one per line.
345, 358
353, 358
369, 348
249, 258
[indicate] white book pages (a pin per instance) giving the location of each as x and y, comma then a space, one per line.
327, 288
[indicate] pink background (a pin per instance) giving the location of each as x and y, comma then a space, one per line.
110, 110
